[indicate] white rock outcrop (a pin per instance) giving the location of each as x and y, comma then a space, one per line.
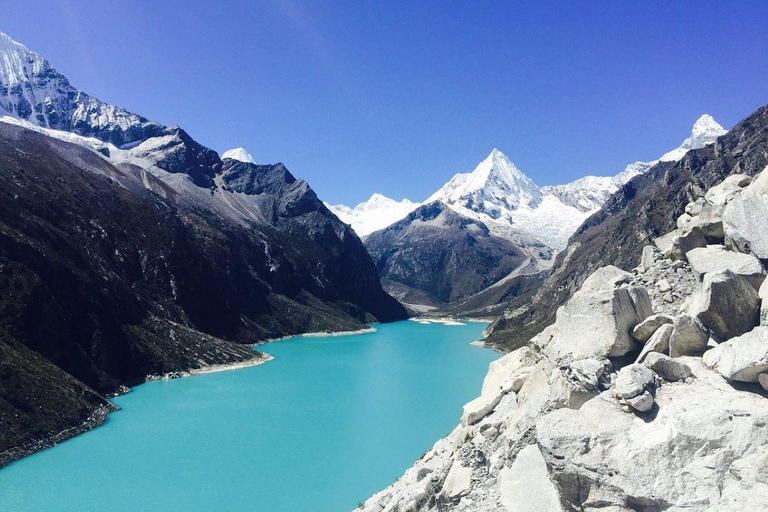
742, 358
745, 216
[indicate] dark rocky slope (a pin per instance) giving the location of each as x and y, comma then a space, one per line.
443, 254
646, 207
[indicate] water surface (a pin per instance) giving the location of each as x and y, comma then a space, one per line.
328, 422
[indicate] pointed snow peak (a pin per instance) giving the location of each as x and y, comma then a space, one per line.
239, 154
494, 187
706, 124
705, 131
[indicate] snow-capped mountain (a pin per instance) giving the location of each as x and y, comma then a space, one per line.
590, 192
239, 154
705, 131
374, 214
500, 195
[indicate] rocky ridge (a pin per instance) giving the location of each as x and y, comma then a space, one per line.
648, 392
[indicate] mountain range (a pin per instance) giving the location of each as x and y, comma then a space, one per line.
502, 205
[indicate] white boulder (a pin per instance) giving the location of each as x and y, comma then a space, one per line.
742, 358
671, 370
659, 342
689, 337
513, 367
645, 329
716, 258
727, 305
458, 483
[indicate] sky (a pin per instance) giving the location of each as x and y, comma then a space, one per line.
395, 97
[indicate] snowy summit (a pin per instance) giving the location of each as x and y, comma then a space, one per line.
239, 154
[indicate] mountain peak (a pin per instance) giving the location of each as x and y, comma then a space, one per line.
705, 131
494, 186
239, 154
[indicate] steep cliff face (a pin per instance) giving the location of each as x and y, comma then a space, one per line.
646, 207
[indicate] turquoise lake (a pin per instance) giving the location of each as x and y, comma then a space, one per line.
324, 425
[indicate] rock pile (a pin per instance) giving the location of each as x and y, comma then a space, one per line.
645, 394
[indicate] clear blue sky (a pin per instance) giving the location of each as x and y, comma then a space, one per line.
393, 96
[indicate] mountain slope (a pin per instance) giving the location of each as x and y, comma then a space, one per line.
646, 207
447, 255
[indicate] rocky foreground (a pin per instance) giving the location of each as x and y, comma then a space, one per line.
647, 393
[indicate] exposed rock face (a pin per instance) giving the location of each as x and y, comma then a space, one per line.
727, 305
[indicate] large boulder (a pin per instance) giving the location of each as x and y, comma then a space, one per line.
716, 258
573, 384
458, 483
727, 304
706, 449
745, 219
689, 337
742, 358
710, 220
727, 189
597, 320
525, 486
688, 240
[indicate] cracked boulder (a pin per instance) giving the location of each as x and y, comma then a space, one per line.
727, 305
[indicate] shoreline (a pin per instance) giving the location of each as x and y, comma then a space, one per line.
213, 368
318, 334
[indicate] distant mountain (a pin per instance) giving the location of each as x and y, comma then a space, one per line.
374, 214
446, 255
499, 196
127, 249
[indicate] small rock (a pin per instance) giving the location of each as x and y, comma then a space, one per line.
667, 368
669, 298
664, 286
632, 381
642, 403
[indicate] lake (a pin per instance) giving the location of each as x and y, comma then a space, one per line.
324, 425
